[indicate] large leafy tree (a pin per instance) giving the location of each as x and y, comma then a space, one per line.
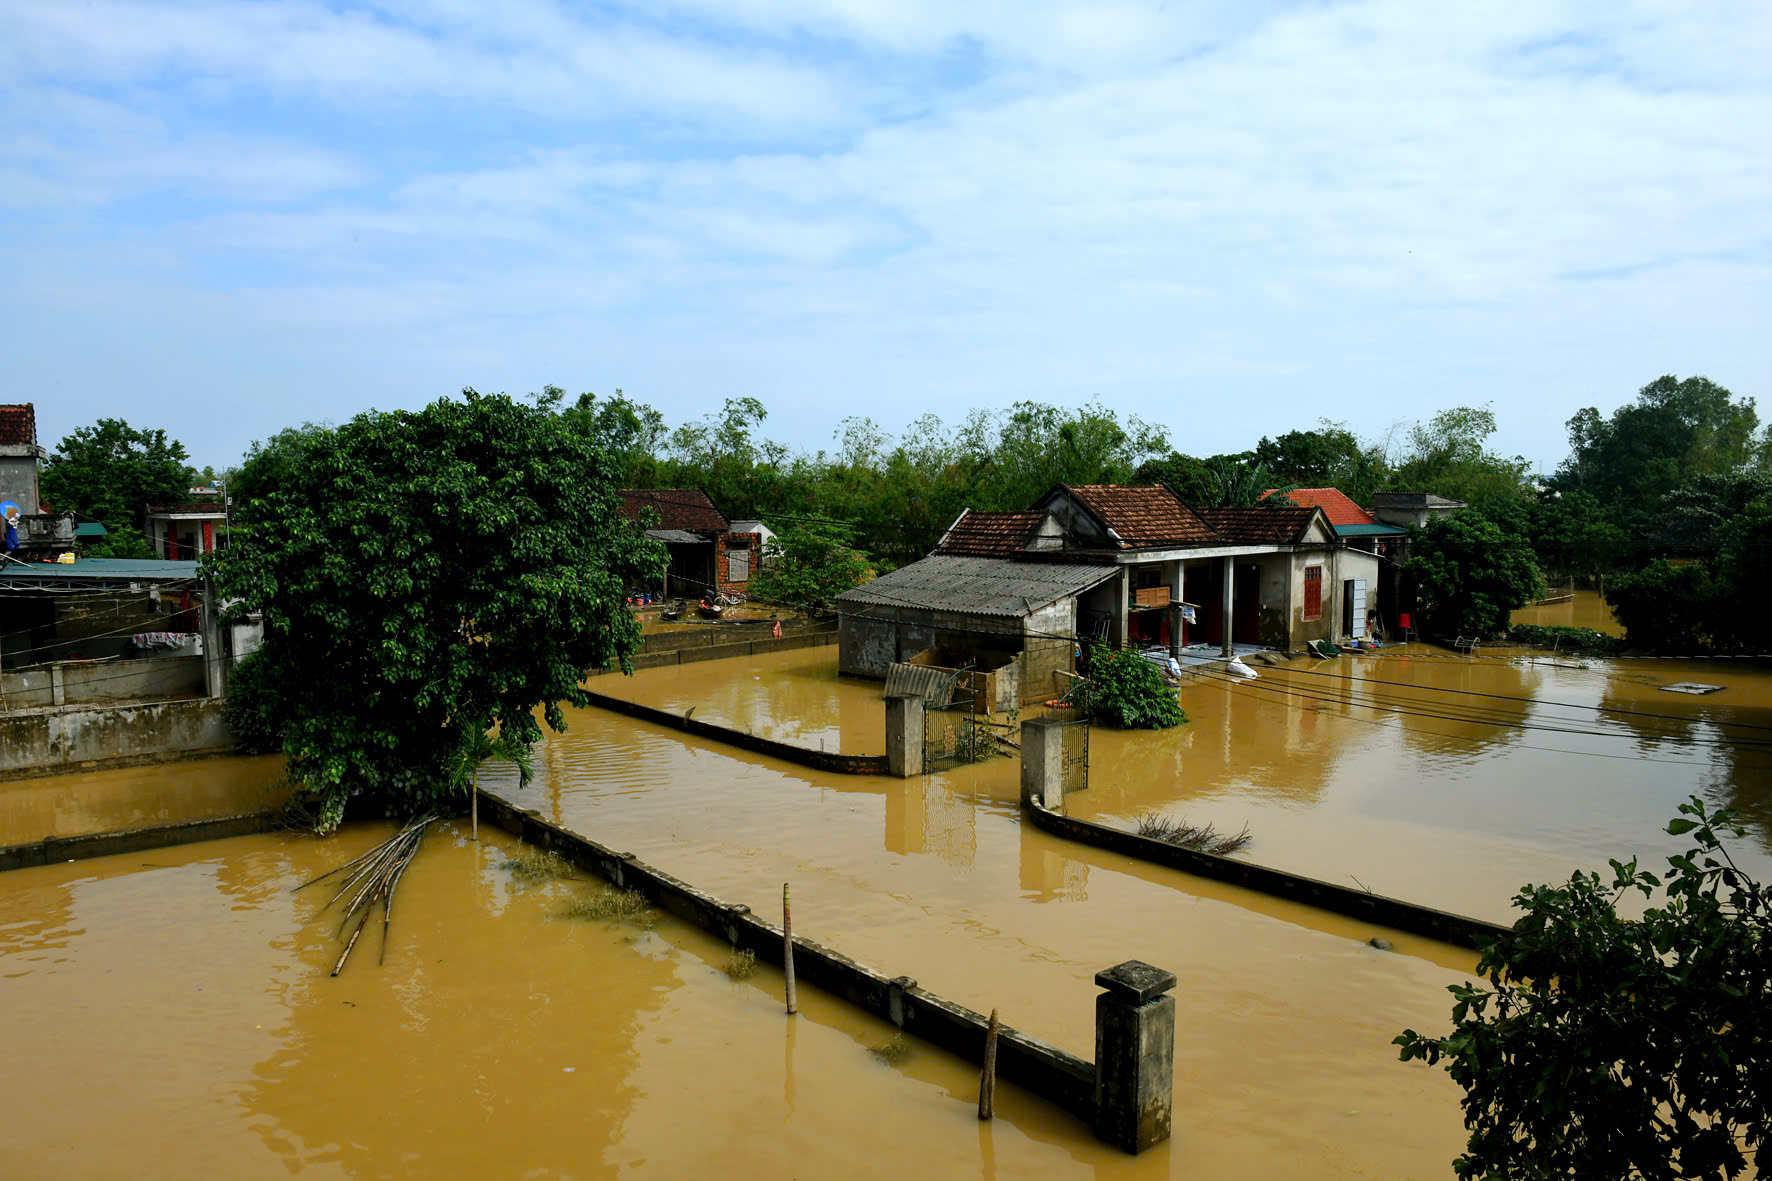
1449, 455
1328, 457
810, 563
111, 472
1614, 1047
1676, 430
425, 577
1471, 574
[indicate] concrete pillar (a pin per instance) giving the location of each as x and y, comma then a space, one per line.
58, 692
1230, 577
1134, 1055
1042, 762
1122, 609
215, 673
904, 735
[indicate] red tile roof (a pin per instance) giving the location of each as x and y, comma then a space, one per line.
18, 424
1336, 505
990, 535
1143, 515
1259, 526
678, 508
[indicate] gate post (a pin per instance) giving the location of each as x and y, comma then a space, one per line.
1134, 1055
904, 735
1042, 762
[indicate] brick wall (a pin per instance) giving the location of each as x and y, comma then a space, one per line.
724, 542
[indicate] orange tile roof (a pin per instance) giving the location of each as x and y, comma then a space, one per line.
988, 534
1336, 505
1144, 515
18, 424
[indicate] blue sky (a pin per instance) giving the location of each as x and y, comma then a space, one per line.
1229, 218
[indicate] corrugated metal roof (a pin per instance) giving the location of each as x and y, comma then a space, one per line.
132, 569
677, 537
1373, 530
976, 586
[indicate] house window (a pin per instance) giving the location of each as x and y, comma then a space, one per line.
738, 565
1313, 593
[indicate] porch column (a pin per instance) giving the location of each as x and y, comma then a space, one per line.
1121, 608
1230, 574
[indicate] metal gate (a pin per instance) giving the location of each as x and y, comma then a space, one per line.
1074, 765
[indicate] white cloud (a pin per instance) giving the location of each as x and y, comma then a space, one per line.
1234, 223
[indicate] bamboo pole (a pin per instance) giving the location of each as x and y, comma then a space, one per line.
787, 954
987, 1079
474, 802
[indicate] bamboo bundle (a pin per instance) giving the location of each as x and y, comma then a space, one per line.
374, 876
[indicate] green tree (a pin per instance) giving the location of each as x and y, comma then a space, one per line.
1328, 457
1126, 690
1470, 574
1189, 478
1613, 1047
1571, 535
1668, 608
631, 433
1676, 430
1448, 455
111, 472
808, 564
425, 577
274, 464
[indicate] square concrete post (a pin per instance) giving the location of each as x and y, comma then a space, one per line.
1134, 1055
904, 735
1042, 761
58, 692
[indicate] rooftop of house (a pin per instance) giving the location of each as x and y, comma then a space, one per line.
1140, 516
975, 585
688, 509
1337, 505
205, 508
102, 570
1413, 500
18, 424
989, 534
1259, 525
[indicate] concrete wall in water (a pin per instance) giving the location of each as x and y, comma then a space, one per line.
86, 682
46, 740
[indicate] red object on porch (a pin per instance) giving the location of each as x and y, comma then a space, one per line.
1403, 620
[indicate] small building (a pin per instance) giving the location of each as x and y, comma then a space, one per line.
20, 456
189, 530
1120, 565
765, 539
1412, 509
707, 553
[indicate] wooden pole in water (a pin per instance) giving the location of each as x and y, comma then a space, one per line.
987, 1080
474, 802
787, 953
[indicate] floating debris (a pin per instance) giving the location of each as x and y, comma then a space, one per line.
1201, 838
1692, 687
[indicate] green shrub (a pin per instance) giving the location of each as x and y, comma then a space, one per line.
1565, 639
1127, 691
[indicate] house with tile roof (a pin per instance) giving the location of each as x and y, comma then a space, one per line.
1146, 571
707, 554
19, 456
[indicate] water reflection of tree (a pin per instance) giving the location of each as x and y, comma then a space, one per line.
1732, 730
452, 1057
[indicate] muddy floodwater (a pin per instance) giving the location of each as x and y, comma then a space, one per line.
178, 1000
128, 797
170, 1014
1575, 608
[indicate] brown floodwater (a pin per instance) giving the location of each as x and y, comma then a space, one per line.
101, 801
178, 1000
1581, 608
170, 1014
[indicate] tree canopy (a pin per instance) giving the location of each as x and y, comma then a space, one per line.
1614, 1047
111, 472
424, 577
1471, 574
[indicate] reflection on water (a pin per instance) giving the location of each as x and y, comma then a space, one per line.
173, 1017
103, 801
1581, 608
